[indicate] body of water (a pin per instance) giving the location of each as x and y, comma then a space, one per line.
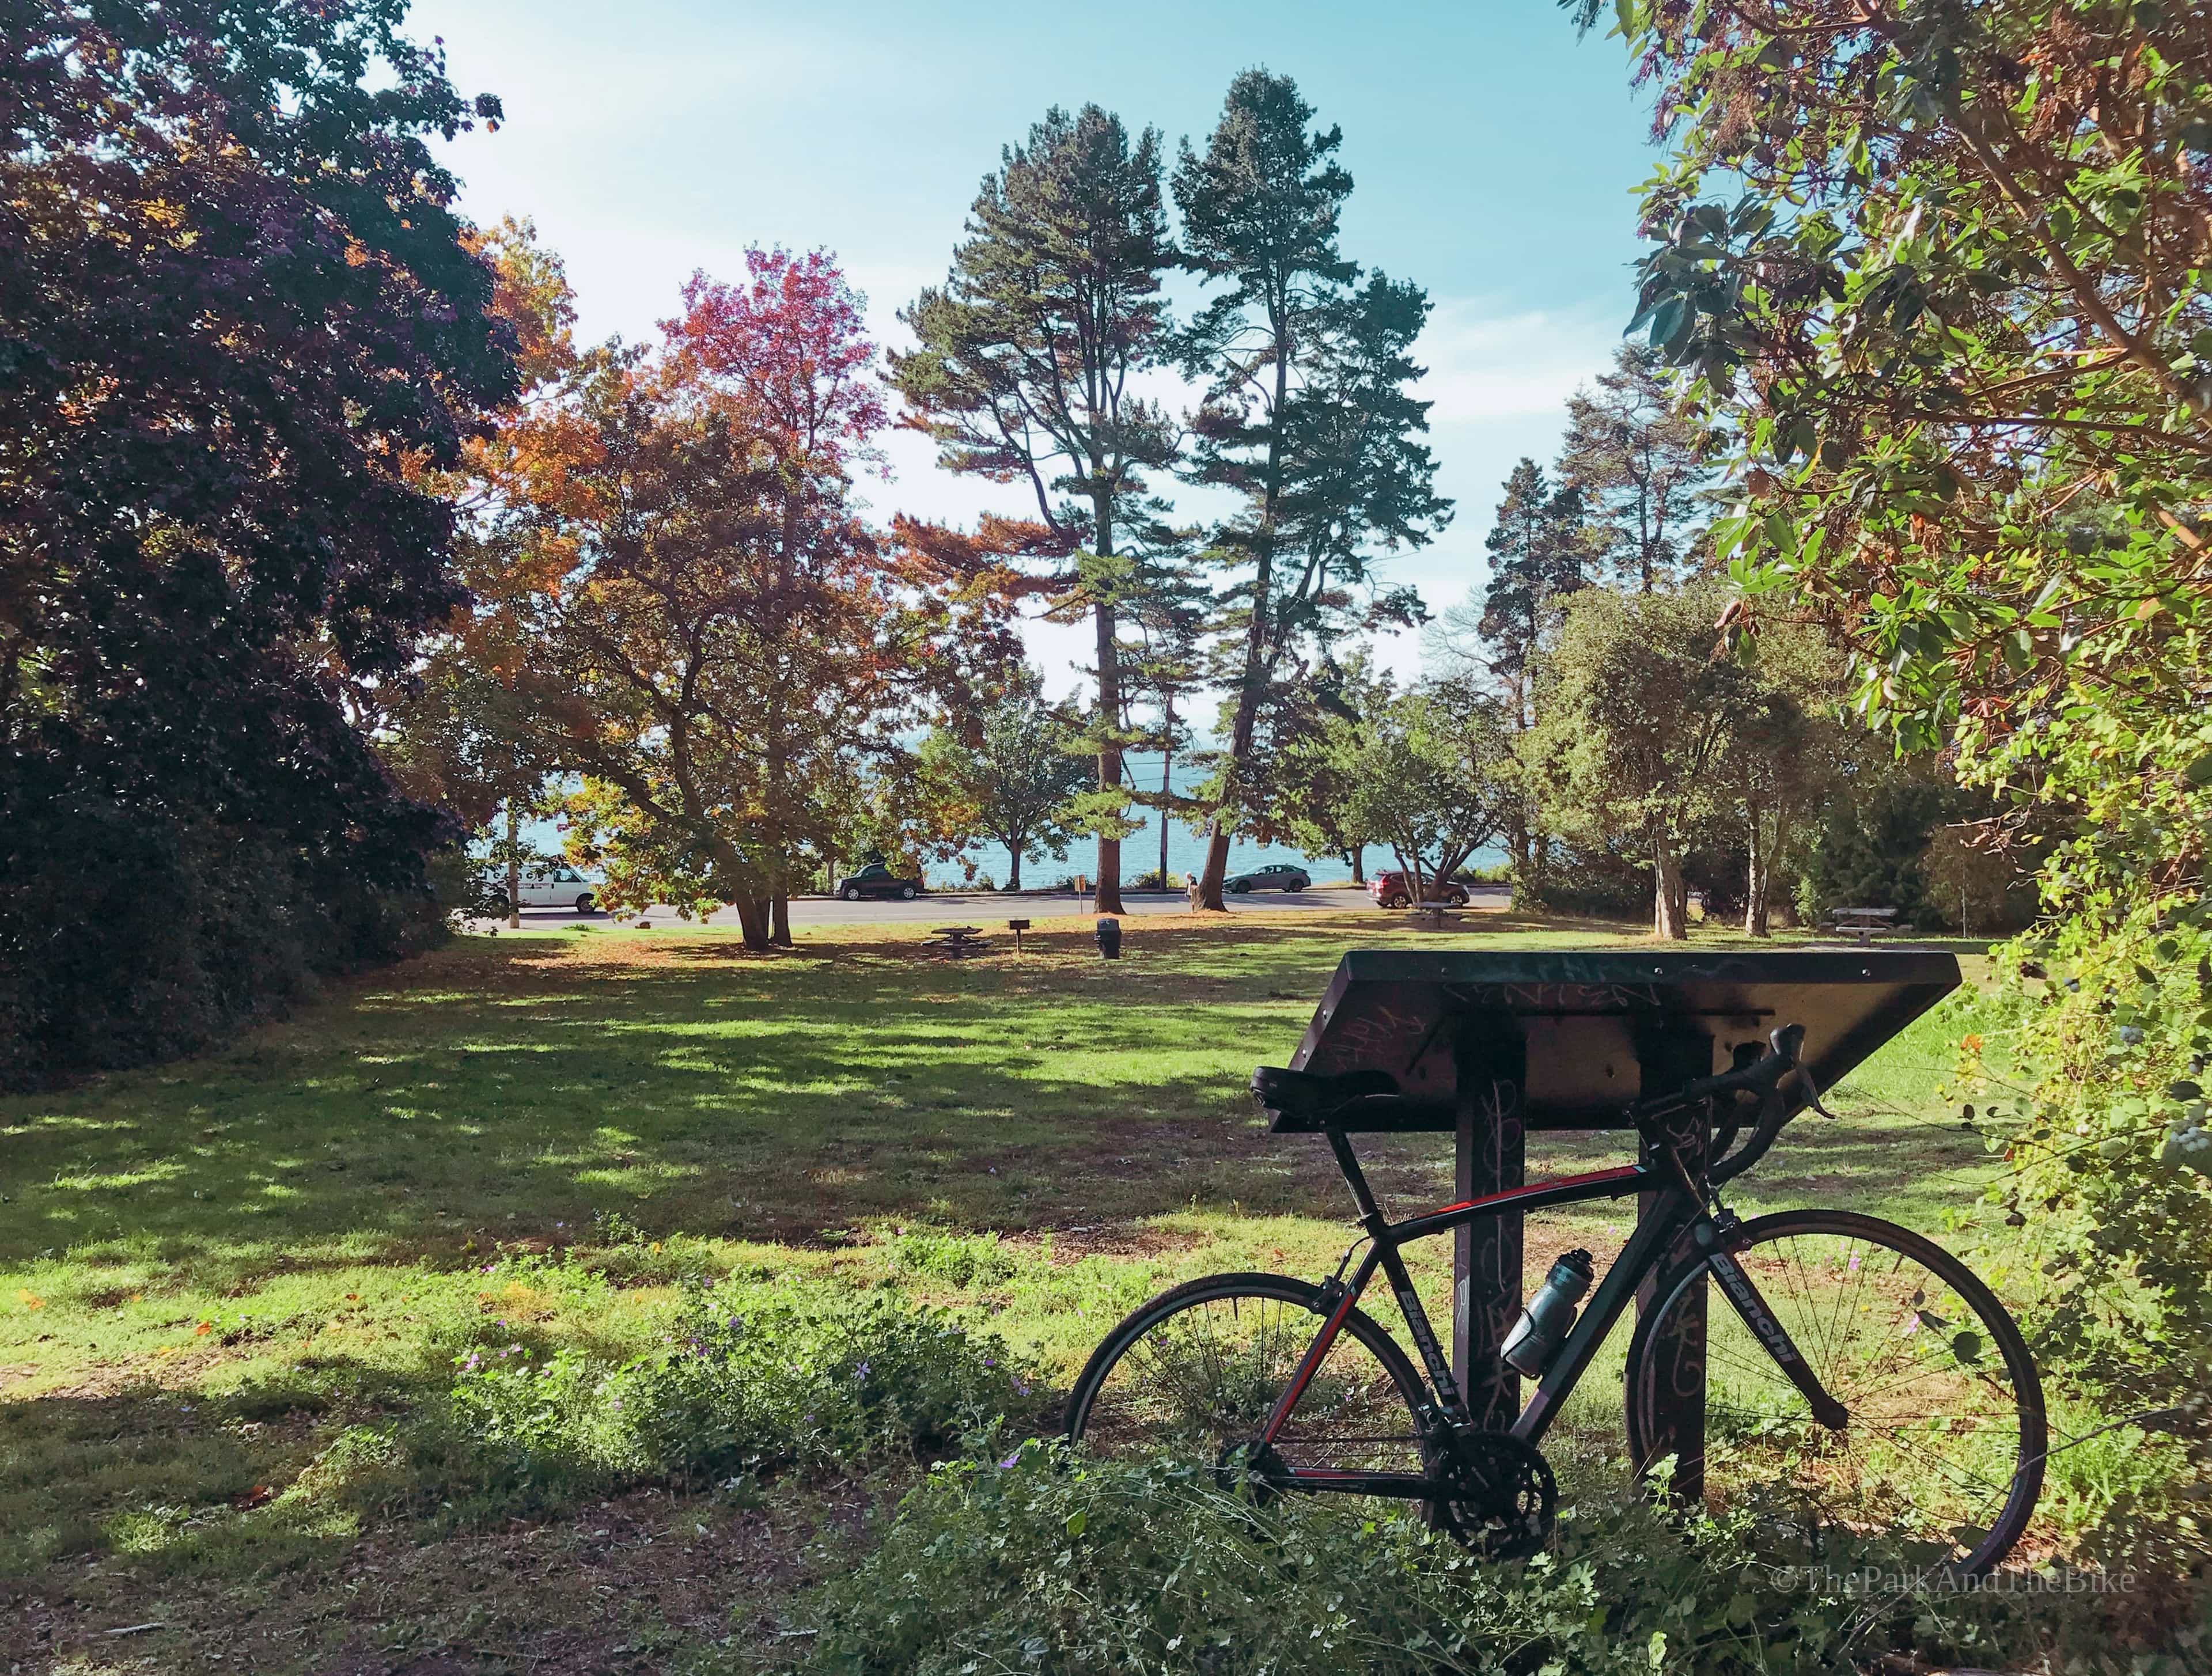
1140, 851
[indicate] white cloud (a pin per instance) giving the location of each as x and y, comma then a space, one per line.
1485, 366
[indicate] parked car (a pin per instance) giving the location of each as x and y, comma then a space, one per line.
877, 880
558, 887
1275, 876
1394, 887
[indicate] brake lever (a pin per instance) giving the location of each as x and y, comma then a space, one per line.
1813, 1093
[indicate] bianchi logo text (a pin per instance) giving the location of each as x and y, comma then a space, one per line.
1755, 1311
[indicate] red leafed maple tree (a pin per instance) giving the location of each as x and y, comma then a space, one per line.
674, 577
791, 343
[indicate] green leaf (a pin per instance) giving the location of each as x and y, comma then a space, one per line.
1077, 1521
2199, 773
1967, 1347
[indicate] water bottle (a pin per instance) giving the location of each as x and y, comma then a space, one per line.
1549, 1317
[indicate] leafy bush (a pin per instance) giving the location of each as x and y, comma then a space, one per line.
748, 1378
1048, 1564
2112, 1186
132, 935
1605, 881
959, 1259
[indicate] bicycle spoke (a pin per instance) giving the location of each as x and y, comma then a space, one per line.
1936, 1437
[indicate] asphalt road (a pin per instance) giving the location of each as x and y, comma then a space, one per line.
987, 908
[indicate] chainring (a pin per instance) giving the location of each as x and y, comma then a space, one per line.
1503, 1496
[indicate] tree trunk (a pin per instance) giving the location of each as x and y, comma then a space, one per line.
1106, 896
780, 917
1754, 871
1014, 867
513, 869
1357, 855
1215, 867
753, 921
1167, 778
1755, 890
1669, 892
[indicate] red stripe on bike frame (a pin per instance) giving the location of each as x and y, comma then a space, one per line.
1620, 1173
1289, 1398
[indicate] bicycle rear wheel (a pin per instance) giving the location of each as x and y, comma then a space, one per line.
1944, 1447
1195, 1374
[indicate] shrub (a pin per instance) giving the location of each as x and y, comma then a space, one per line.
958, 1260
1604, 882
747, 1379
2112, 1189
1049, 1564
131, 935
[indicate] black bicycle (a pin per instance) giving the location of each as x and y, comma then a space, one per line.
1863, 1384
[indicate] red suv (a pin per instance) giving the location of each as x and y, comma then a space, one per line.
1394, 887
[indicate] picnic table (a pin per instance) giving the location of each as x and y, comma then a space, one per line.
1866, 921
957, 941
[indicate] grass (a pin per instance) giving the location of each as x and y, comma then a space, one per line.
211, 1272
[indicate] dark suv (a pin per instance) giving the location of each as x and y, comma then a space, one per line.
877, 880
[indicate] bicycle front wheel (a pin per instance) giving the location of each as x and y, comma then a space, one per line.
1944, 1446
1193, 1374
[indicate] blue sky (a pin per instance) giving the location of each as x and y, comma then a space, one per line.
1496, 158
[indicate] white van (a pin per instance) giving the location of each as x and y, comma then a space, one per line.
558, 887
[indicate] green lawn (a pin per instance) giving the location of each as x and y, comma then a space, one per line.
207, 1270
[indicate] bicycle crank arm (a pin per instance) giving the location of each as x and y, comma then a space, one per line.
1770, 1332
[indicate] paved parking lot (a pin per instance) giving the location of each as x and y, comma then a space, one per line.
987, 908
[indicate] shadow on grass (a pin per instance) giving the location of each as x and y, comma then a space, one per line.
507, 1091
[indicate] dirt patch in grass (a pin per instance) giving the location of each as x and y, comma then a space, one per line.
625, 1585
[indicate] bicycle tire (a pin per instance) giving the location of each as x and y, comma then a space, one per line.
1764, 1420
1251, 1406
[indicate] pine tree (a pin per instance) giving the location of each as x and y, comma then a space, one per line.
1639, 461
1022, 369
1307, 415
1537, 546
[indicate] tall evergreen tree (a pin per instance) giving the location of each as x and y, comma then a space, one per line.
1022, 373
1639, 459
1307, 416
1537, 546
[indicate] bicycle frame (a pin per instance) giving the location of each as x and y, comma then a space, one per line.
1681, 1211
